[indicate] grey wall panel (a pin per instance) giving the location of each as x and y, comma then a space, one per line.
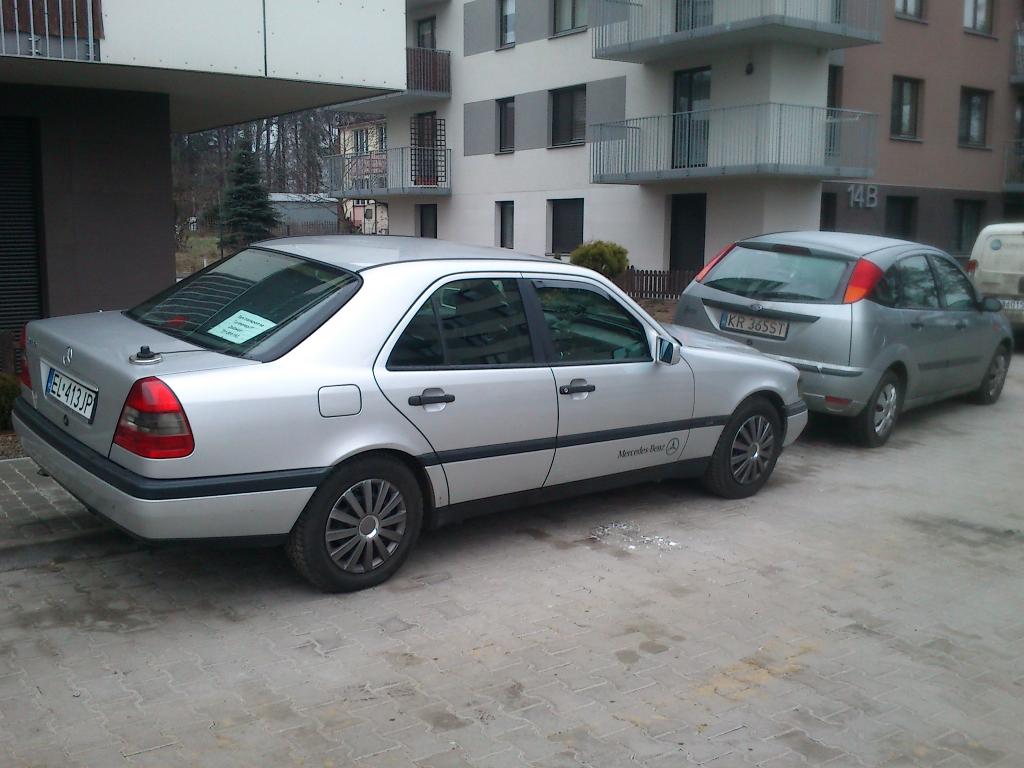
606, 102
480, 26
533, 20
532, 121
479, 128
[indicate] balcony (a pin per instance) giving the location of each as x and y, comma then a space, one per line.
428, 78
1014, 177
751, 140
395, 172
649, 30
69, 30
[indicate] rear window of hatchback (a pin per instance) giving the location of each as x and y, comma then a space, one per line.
778, 275
257, 304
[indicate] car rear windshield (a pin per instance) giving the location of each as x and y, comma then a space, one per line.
764, 274
255, 304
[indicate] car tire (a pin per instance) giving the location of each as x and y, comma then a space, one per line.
338, 545
876, 422
991, 386
747, 450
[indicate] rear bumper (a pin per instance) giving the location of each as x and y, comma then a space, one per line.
818, 381
238, 506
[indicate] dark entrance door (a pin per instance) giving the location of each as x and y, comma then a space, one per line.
20, 277
427, 224
689, 220
691, 97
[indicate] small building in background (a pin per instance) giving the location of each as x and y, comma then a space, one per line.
307, 214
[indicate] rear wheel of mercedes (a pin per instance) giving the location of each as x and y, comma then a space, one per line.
747, 451
874, 425
359, 526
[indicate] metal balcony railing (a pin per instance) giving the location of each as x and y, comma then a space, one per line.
395, 171
1014, 180
428, 70
777, 139
51, 29
625, 26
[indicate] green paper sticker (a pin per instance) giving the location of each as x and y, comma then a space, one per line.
241, 327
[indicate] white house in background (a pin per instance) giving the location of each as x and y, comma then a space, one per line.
90, 91
673, 127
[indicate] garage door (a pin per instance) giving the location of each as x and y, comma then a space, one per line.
20, 299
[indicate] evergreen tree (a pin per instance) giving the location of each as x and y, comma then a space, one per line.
246, 213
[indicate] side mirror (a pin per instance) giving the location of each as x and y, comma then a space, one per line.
668, 351
990, 304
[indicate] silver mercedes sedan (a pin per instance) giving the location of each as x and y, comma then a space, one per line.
875, 325
338, 394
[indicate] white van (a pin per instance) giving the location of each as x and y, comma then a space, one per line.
997, 267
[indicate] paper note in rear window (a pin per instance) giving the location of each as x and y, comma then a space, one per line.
241, 327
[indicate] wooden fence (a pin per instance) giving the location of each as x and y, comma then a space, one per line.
654, 283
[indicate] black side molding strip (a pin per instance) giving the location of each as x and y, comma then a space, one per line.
823, 369
583, 438
794, 408
161, 490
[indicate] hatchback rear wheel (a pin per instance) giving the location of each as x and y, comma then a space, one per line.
359, 527
874, 425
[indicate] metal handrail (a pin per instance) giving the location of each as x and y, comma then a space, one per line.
628, 22
51, 29
754, 138
428, 69
391, 170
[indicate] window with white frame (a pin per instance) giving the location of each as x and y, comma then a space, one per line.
569, 15
978, 15
506, 23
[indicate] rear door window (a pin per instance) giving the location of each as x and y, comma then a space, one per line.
763, 274
249, 300
917, 284
467, 323
587, 326
956, 287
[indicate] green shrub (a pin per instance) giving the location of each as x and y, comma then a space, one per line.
610, 259
9, 391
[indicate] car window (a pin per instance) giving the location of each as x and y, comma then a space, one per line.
478, 322
589, 327
956, 288
247, 300
917, 284
886, 290
761, 274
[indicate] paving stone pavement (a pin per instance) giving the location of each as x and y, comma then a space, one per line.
866, 609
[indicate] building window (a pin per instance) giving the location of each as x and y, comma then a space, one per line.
426, 33
978, 15
361, 137
906, 96
901, 217
566, 225
506, 223
506, 125
969, 214
912, 8
382, 138
569, 115
506, 23
569, 15
973, 117
829, 211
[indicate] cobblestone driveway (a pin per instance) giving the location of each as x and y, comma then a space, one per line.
865, 610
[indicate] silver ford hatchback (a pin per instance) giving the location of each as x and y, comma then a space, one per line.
875, 325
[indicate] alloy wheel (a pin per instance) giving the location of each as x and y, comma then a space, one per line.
365, 526
997, 375
885, 408
752, 449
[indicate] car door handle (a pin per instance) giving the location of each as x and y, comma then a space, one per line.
575, 387
426, 399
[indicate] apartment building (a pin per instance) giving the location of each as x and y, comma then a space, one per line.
947, 81
90, 91
673, 127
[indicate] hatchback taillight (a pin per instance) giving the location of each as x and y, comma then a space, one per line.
153, 423
24, 374
711, 264
972, 267
862, 282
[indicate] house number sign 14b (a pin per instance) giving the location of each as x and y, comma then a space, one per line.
863, 195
